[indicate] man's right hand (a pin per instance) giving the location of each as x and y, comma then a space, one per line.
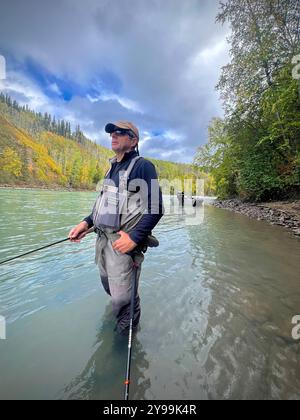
78, 232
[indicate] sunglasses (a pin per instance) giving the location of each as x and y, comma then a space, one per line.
121, 132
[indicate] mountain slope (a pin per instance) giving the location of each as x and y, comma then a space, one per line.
51, 160
30, 155
23, 160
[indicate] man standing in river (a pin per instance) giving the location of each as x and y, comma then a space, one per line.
127, 210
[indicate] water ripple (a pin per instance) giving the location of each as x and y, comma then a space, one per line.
217, 303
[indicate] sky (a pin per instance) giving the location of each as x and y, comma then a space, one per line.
153, 62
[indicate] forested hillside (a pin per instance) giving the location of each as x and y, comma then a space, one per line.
38, 150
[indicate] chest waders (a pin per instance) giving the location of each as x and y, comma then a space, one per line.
118, 209
119, 273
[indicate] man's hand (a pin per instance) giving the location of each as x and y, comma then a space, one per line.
124, 244
78, 232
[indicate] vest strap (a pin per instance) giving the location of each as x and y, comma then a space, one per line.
125, 174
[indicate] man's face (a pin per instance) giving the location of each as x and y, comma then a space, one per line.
121, 143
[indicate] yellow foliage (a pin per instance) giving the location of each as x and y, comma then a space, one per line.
48, 158
10, 162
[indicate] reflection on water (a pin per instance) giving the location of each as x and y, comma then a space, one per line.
238, 320
217, 303
104, 374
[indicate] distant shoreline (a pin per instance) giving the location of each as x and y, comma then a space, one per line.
40, 187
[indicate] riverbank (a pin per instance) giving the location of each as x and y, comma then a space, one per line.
44, 187
281, 213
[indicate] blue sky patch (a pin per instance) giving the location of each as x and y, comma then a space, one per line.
55, 87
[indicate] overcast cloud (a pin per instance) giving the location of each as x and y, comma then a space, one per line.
153, 62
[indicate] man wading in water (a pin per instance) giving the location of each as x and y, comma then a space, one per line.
128, 208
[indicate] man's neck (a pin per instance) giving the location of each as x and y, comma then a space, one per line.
120, 155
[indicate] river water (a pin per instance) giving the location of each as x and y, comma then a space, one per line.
218, 300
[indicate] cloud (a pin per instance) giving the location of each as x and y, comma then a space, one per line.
55, 89
24, 90
124, 102
155, 62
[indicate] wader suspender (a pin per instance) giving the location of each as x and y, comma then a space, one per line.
125, 175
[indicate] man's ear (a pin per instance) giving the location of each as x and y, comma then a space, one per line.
136, 141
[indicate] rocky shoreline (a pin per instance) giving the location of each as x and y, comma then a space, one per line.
281, 213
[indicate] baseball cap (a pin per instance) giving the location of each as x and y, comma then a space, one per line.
124, 125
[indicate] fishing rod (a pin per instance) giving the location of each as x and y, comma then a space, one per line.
43, 247
152, 242
132, 302
64, 240
172, 230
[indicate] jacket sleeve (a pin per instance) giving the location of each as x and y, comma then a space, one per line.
155, 208
89, 220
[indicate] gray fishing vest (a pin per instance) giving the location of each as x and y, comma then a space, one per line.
117, 208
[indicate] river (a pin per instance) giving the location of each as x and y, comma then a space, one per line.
218, 300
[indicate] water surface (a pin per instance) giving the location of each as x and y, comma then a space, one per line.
217, 303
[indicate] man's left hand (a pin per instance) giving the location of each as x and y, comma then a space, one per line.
124, 244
